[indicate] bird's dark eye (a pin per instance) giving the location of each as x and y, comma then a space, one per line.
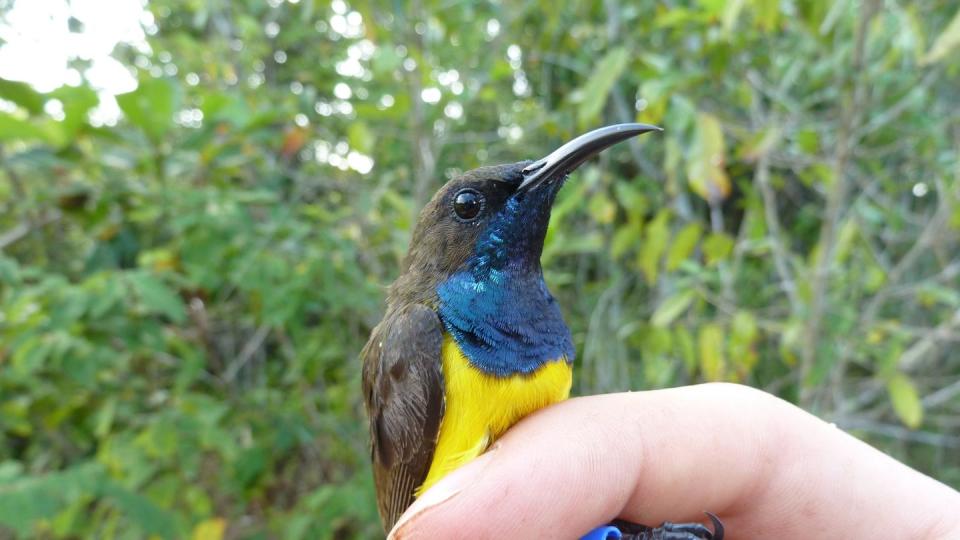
468, 204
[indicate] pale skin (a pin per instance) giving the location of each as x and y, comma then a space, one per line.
767, 468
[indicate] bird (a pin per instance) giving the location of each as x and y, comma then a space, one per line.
472, 340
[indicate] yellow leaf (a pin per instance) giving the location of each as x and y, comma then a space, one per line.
760, 144
706, 166
602, 208
945, 42
710, 342
767, 14
211, 529
743, 337
906, 401
731, 13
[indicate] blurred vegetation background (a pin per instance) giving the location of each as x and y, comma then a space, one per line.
185, 286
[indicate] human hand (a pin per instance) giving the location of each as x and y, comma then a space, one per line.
767, 468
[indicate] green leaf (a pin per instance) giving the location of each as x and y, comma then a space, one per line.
683, 340
671, 308
76, 103
601, 207
627, 236
948, 40
655, 242
27, 501
151, 106
104, 417
386, 59
360, 137
23, 95
808, 141
631, 198
743, 336
790, 342
717, 247
581, 243
106, 292
931, 293
683, 245
595, 92
17, 129
157, 297
140, 511
845, 240
906, 401
250, 465
31, 354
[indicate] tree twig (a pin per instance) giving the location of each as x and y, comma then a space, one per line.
249, 349
21, 230
836, 197
762, 180
942, 395
912, 356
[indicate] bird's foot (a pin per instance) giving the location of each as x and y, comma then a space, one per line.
624, 530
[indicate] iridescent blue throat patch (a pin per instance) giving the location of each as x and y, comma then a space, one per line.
498, 309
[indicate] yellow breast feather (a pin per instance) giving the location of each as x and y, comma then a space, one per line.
480, 407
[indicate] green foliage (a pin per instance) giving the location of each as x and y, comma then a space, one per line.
599, 84
151, 106
183, 295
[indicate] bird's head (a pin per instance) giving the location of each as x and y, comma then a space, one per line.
495, 218
475, 258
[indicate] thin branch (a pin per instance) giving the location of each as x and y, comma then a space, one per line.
34, 220
918, 351
836, 199
900, 268
762, 180
421, 142
884, 117
246, 354
942, 395
926, 238
23, 229
624, 112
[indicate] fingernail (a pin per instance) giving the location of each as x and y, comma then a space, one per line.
441, 492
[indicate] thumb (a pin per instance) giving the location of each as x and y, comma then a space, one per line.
571, 467
768, 469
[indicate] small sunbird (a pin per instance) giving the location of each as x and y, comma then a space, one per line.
472, 341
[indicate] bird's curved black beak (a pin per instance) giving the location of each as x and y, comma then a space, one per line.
571, 155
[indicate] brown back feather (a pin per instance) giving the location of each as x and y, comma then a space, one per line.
403, 387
